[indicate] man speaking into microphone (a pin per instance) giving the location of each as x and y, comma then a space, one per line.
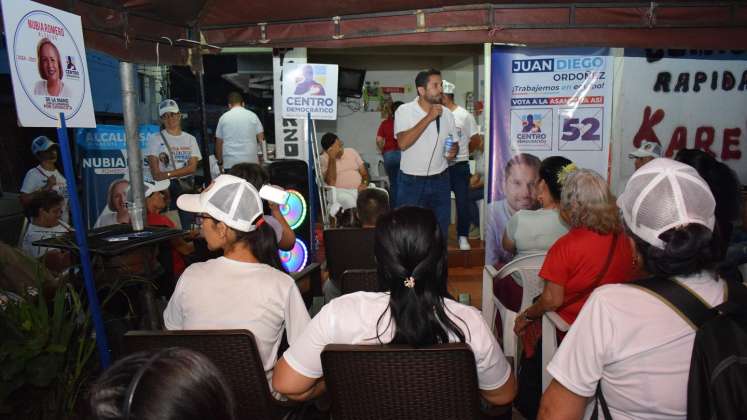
426, 134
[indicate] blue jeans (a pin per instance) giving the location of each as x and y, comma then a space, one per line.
431, 192
391, 165
475, 195
459, 179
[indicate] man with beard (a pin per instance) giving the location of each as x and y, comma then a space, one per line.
421, 128
519, 189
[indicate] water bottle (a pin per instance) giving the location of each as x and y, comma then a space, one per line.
447, 146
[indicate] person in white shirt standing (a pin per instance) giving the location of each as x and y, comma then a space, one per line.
459, 174
239, 135
627, 343
245, 288
173, 154
422, 128
45, 176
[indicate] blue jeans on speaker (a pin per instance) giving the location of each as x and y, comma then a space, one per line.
459, 179
391, 165
431, 192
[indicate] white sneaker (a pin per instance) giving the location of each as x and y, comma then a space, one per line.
464, 243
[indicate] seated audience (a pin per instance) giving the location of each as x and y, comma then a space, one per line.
246, 287
648, 151
344, 169
45, 210
156, 201
257, 175
45, 176
632, 344
594, 252
532, 231
415, 309
166, 384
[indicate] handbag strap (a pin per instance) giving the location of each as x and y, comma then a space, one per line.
679, 298
598, 279
600, 401
168, 147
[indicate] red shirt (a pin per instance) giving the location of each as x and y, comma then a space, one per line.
177, 262
386, 130
577, 258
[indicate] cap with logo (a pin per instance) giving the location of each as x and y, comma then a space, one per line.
41, 144
448, 87
155, 186
647, 149
228, 199
664, 194
167, 105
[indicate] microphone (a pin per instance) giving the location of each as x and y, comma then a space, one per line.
438, 124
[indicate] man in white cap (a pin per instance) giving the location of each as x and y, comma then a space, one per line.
245, 288
45, 176
648, 151
173, 154
466, 131
239, 135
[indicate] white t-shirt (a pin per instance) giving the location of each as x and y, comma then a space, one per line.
36, 179
637, 345
37, 233
239, 127
416, 159
352, 319
227, 294
466, 127
183, 147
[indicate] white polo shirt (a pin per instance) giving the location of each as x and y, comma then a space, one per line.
238, 128
354, 319
426, 155
637, 346
466, 127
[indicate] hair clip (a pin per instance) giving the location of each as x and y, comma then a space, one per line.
565, 171
410, 282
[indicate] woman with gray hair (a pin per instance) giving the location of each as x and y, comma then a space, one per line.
595, 251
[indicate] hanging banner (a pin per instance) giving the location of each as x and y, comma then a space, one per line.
310, 89
544, 102
48, 65
104, 171
685, 99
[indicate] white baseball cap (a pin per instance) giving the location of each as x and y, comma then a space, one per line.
41, 144
155, 186
228, 199
167, 105
448, 87
664, 194
647, 149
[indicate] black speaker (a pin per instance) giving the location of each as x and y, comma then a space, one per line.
292, 175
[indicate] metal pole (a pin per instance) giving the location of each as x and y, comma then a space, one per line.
203, 122
134, 157
80, 237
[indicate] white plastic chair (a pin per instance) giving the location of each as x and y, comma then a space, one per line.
527, 268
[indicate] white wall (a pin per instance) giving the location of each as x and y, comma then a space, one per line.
356, 127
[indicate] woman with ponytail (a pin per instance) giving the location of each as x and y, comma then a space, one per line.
247, 287
413, 307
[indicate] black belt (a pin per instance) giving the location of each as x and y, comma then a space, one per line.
438, 175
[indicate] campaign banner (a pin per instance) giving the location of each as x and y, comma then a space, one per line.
105, 173
684, 99
48, 65
310, 89
544, 102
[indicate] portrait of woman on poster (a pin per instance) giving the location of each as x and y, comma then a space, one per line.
50, 70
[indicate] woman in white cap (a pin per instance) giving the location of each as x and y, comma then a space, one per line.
626, 342
245, 288
45, 176
173, 154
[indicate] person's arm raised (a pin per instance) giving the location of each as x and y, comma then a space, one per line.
407, 138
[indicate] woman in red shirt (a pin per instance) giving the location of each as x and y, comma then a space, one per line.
386, 142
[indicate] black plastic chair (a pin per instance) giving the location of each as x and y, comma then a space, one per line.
234, 352
348, 249
353, 281
401, 382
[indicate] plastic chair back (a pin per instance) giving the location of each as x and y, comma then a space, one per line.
353, 281
348, 249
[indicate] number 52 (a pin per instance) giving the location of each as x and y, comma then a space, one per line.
586, 129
